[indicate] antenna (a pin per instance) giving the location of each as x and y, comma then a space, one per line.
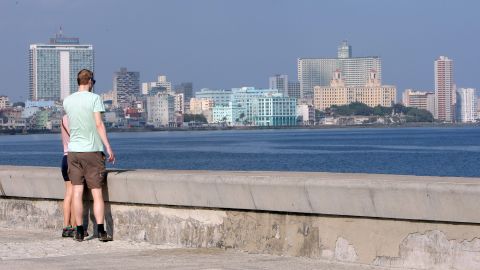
60, 32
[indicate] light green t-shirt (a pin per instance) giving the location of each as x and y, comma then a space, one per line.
80, 107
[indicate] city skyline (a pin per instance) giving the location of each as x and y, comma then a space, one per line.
235, 53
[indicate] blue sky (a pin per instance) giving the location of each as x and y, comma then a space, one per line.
225, 44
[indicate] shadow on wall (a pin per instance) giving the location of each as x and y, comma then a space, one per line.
88, 214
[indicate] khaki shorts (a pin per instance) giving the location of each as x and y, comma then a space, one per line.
87, 166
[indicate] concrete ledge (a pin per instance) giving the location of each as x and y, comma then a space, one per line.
446, 199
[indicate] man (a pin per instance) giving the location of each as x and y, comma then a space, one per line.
86, 160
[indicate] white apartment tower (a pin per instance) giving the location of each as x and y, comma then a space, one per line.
466, 105
53, 67
444, 89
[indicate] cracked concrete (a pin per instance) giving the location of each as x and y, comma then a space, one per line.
363, 241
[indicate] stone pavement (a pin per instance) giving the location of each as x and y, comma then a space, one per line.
22, 249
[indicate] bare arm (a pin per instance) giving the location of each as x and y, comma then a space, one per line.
102, 132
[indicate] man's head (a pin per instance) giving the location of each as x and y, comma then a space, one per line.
85, 79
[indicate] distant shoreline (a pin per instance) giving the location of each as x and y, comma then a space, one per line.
213, 128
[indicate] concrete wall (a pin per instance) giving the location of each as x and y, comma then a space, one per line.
394, 221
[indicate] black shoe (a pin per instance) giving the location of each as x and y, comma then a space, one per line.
78, 236
104, 237
67, 232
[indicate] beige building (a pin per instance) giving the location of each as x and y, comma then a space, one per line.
199, 105
372, 94
419, 99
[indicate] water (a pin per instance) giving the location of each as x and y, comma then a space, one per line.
410, 151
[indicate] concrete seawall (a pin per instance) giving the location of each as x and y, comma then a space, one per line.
385, 220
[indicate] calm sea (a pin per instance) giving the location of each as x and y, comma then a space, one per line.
411, 151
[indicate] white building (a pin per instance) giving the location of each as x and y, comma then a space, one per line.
161, 110
53, 67
260, 107
318, 71
306, 113
466, 105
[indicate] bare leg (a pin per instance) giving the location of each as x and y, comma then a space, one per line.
98, 205
77, 203
67, 203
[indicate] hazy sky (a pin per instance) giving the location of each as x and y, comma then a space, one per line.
225, 44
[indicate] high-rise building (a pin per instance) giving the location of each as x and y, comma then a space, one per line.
466, 105
444, 89
318, 71
344, 50
4, 102
161, 110
279, 82
126, 85
419, 99
294, 89
373, 93
53, 67
185, 88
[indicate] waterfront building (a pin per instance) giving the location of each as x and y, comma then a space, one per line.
4, 102
279, 82
466, 105
275, 110
294, 89
373, 93
444, 89
198, 106
53, 67
306, 114
219, 97
419, 99
223, 114
243, 98
318, 71
258, 107
161, 110
126, 85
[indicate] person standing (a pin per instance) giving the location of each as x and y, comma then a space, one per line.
68, 216
86, 160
